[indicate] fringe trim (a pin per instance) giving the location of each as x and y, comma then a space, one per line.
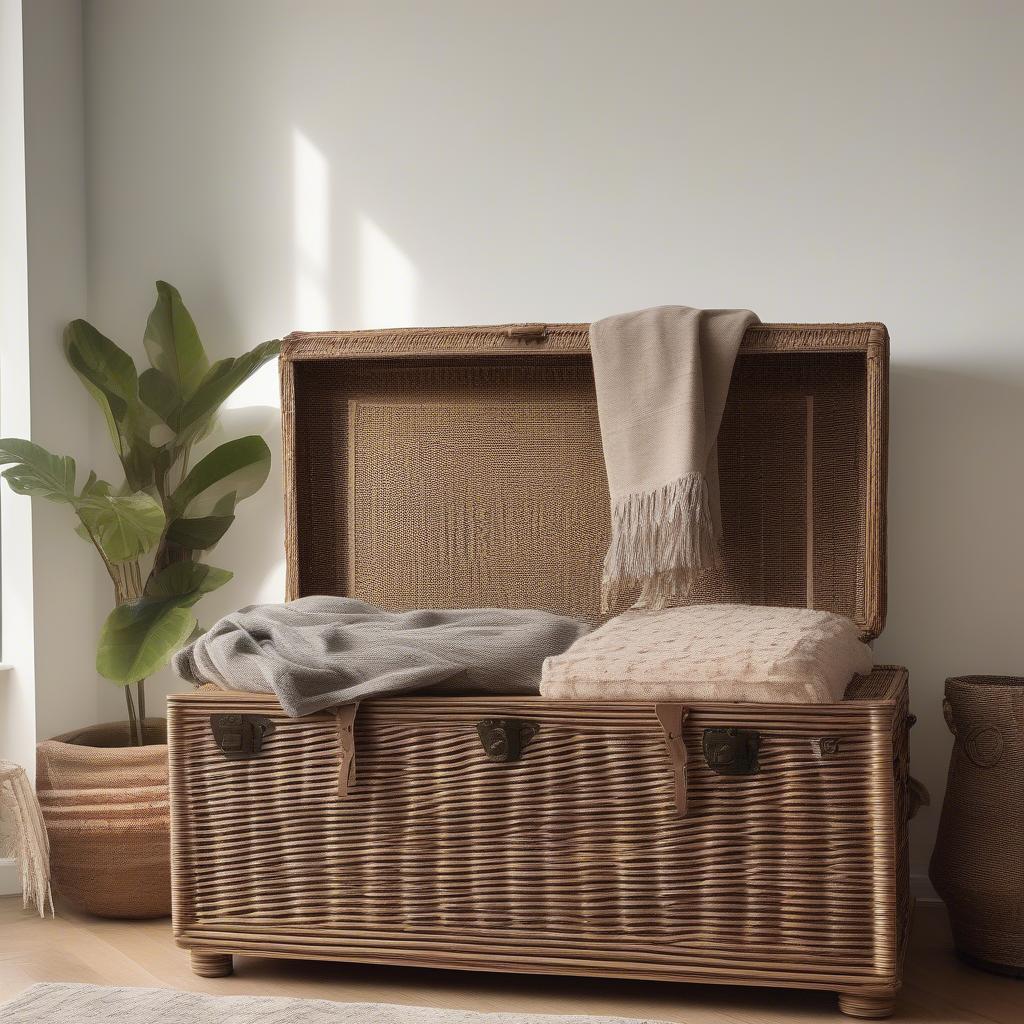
662, 540
23, 836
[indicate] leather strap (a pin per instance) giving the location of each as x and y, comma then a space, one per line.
672, 717
346, 717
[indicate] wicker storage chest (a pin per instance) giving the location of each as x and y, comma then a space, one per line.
463, 467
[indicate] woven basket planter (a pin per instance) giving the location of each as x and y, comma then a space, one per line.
978, 863
106, 813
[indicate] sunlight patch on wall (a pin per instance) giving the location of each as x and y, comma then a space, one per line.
262, 388
387, 279
311, 210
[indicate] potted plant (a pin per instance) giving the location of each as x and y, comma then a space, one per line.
104, 788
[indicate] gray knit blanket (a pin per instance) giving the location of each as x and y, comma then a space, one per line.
321, 652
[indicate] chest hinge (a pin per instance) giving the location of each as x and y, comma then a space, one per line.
240, 737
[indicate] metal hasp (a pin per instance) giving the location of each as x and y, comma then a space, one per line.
240, 736
505, 739
732, 751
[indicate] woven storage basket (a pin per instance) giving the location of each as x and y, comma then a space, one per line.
978, 863
463, 467
105, 805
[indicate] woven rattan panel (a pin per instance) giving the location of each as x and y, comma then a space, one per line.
574, 858
449, 482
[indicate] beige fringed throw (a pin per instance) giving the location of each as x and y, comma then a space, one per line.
662, 378
23, 835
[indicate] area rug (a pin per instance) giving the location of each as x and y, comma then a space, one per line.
94, 1004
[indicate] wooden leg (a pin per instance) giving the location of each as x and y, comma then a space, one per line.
210, 965
867, 1005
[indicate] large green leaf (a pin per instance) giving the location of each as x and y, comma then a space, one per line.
36, 472
140, 463
186, 581
236, 468
109, 375
222, 379
102, 365
157, 390
125, 526
140, 637
173, 345
198, 534
92, 486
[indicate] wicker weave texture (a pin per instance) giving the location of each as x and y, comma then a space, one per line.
463, 467
420, 475
978, 862
108, 818
573, 860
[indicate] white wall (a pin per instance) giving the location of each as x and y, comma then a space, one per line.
305, 165
17, 681
67, 578
50, 612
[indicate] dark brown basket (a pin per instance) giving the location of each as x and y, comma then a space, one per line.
978, 863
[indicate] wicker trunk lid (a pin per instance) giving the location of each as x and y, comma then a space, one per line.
463, 467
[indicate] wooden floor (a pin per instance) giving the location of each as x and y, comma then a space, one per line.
938, 987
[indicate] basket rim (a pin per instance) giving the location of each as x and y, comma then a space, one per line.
985, 680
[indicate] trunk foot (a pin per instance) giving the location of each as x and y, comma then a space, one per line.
211, 965
867, 1005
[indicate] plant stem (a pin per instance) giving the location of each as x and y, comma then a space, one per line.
133, 721
140, 689
184, 462
122, 593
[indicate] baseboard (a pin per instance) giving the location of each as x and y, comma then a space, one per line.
922, 889
10, 877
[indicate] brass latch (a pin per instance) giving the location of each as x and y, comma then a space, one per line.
240, 736
505, 739
732, 751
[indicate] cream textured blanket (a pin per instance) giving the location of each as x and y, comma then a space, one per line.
714, 652
662, 377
